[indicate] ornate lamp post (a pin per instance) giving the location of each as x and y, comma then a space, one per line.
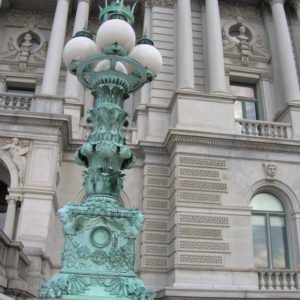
98, 256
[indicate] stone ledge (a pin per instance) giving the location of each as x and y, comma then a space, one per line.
197, 294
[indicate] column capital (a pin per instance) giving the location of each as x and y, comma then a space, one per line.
12, 199
272, 2
296, 3
87, 1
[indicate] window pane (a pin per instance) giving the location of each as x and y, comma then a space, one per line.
259, 241
267, 202
278, 242
241, 90
238, 111
20, 90
251, 110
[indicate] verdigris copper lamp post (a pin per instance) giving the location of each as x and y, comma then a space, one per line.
98, 256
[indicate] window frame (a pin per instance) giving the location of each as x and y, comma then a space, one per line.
267, 214
244, 100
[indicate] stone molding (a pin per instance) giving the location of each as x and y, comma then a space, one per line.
229, 141
159, 3
31, 19
62, 122
173, 137
238, 11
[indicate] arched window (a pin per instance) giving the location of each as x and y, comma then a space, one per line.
3, 203
4, 184
269, 232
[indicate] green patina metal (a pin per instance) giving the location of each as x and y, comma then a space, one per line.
117, 10
98, 256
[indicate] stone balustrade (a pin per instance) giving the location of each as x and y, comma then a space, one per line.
14, 266
276, 280
130, 134
15, 101
265, 129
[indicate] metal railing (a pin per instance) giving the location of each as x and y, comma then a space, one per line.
276, 280
265, 129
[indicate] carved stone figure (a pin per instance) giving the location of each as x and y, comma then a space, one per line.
19, 155
270, 169
25, 52
244, 46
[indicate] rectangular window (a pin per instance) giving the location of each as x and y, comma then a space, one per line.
20, 90
246, 105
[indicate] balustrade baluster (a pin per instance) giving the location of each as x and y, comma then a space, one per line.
266, 280
260, 280
243, 131
278, 131
277, 280
7, 101
292, 281
269, 281
256, 131
284, 281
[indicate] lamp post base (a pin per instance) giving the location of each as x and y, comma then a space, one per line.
98, 256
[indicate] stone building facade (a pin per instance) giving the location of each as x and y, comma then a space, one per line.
216, 135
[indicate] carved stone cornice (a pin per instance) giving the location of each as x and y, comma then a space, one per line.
159, 3
29, 119
230, 141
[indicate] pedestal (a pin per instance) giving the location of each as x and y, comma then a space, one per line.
98, 256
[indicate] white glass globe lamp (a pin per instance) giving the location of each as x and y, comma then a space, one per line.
147, 55
115, 31
79, 47
105, 65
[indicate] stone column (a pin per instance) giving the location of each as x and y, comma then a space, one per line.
286, 58
10, 216
55, 49
184, 46
215, 54
145, 91
73, 89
